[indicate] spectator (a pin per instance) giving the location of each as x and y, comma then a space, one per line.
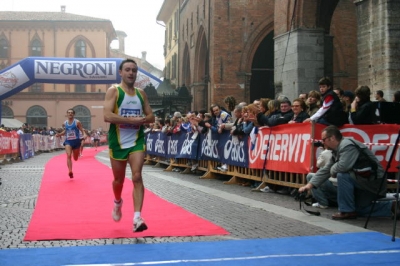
348, 98
167, 127
303, 96
257, 102
313, 102
20, 131
218, 117
331, 112
230, 103
283, 117
396, 97
362, 109
236, 128
339, 92
273, 108
176, 122
357, 189
248, 124
326, 194
299, 113
264, 105
379, 96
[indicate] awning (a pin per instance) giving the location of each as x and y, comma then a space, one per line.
11, 122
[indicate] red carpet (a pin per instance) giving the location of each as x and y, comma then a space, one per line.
80, 208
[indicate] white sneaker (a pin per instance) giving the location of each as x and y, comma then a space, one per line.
139, 225
223, 168
266, 189
317, 205
194, 167
116, 212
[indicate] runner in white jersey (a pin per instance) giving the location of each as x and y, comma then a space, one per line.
127, 108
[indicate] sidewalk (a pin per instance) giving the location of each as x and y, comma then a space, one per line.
244, 213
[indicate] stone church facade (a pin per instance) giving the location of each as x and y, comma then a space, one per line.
251, 49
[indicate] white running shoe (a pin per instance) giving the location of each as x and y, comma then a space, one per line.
116, 212
139, 225
223, 168
317, 205
265, 189
194, 167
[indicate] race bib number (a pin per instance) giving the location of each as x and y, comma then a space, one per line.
129, 113
71, 134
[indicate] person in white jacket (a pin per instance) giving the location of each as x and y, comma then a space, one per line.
327, 193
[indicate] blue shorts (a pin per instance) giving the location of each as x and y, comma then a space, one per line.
74, 143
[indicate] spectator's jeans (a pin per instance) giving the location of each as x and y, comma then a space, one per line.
352, 199
325, 193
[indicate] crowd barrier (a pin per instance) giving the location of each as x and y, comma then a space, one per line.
281, 155
14, 147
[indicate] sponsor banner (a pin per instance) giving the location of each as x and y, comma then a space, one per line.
284, 148
9, 142
156, 143
209, 147
72, 69
56, 70
12, 79
379, 138
26, 146
233, 150
188, 144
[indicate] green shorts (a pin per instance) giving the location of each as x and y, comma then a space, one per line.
123, 154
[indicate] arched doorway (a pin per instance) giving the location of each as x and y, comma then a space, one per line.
6, 112
262, 70
36, 116
82, 113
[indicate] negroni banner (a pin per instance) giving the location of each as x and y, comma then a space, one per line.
32, 70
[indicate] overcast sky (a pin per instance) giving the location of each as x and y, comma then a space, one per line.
137, 18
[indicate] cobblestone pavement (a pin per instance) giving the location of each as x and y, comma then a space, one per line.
244, 213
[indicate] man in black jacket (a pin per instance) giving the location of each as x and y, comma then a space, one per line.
283, 117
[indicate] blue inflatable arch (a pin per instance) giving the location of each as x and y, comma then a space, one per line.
57, 70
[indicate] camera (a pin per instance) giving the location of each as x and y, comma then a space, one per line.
318, 144
301, 196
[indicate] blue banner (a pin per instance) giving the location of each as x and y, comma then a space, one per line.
26, 146
188, 143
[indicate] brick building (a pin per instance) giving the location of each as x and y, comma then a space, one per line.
251, 49
59, 34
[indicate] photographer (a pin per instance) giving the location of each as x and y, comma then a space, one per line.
356, 188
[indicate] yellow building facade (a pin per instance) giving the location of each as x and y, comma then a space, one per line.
61, 35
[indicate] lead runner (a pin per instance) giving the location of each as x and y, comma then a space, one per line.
127, 109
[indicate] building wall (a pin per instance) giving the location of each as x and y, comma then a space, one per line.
237, 27
58, 40
378, 45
